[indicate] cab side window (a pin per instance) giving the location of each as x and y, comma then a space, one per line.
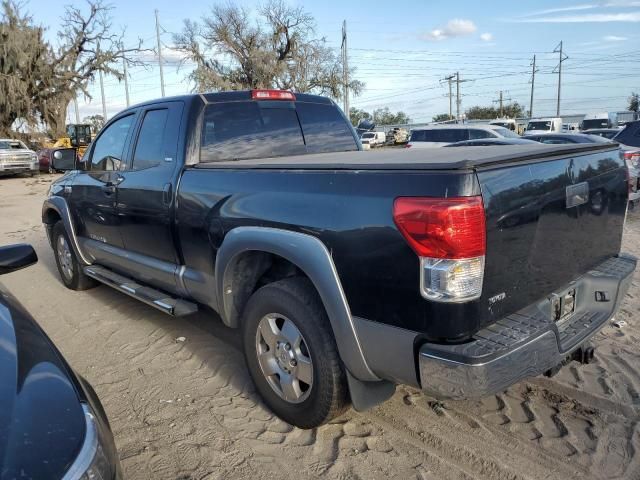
149, 150
109, 147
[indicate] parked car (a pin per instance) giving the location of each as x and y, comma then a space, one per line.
539, 125
16, 157
489, 142
561, 138
441, 135
348, 273
373, 139
603, 132
629, 135
52, 424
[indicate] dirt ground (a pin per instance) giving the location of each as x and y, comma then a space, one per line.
187, 409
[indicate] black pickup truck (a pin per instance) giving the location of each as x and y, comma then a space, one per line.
459, 271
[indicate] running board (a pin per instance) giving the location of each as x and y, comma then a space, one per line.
155, 298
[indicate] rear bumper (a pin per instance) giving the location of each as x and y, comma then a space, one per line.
528, 342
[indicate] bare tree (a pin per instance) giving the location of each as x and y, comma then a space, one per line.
43, 79
278, 50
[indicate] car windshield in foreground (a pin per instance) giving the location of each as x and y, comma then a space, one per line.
539, 126
12, 145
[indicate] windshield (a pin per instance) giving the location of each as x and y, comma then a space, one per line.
369, 135
12, 145
505, 132
540, 125
595, 123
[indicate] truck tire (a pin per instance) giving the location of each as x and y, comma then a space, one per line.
292, 355
69, 268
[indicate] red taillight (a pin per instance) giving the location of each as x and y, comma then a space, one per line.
442, 227
272, 95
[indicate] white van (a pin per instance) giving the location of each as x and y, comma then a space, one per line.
373, 139
544, 125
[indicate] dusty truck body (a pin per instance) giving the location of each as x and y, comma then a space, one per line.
459, 271
16, 158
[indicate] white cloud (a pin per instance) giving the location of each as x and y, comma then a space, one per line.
486, 37
586, 18
572, 8
614, 38
454, 28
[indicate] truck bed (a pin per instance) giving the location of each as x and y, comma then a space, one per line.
460, 158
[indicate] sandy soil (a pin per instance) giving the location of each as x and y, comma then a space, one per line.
188, 410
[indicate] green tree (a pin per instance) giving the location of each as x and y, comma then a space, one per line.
441, 117
511, 110
634, 102
355, 115
384, 116
96, 122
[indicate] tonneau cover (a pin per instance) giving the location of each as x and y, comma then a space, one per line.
411, 159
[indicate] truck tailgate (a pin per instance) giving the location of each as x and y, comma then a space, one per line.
548, 222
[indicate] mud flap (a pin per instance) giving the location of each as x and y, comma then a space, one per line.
366, 395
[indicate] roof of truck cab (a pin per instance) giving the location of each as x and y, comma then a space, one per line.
419, 159
229, 96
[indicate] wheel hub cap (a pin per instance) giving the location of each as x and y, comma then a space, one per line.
64, 257
284, 358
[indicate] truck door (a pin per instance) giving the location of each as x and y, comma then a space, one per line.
93, 197
146, 192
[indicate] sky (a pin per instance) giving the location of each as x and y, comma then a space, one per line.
402, 51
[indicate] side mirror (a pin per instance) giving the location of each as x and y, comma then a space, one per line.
64, 159
15, 257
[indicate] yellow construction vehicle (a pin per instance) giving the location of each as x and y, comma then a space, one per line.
77, 136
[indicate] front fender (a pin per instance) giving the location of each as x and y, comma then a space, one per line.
312, 257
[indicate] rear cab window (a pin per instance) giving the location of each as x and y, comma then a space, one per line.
243, 130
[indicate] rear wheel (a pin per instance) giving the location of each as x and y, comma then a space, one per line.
292, 355
68, 266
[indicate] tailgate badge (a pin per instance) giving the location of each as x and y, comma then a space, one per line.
577, 194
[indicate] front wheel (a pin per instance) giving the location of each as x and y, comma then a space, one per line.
68, 266
292, 355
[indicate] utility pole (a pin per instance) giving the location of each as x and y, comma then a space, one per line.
75, 104
458, 96
104, 105
345, 68
126, 77
458, 82
448, 79
159, 54
562, 57
501, 101
533, 80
